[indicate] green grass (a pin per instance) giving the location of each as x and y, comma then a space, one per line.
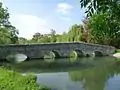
117, 51
11, 80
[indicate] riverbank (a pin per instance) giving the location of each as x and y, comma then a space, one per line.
117, 53
11, 80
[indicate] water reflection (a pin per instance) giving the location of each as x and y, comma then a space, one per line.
16, 58
94, 78
56, 65
80, 74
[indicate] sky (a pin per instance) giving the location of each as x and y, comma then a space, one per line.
31, 16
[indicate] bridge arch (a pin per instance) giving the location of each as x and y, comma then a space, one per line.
56, 53
52, 54
76, 53
97, 53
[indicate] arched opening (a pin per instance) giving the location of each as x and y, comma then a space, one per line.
76, 53
51, 55
16, 57
56, 54
87, 55
97, 53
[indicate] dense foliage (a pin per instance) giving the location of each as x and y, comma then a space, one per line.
96, 6
8, 33
102, 32
104, 21
11, 80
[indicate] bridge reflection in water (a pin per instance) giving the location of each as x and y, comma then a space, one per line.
81, 74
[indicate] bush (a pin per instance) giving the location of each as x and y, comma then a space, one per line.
11, 80
117, 51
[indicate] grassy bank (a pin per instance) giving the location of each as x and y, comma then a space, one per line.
11, 80
117, 51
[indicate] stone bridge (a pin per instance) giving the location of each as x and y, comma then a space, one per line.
35, 51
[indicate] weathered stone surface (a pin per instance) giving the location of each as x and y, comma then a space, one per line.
34, 51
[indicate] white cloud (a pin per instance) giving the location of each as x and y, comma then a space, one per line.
64, 8
29, 24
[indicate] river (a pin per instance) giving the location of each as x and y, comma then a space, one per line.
100, 73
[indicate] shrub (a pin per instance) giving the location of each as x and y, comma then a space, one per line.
11, 80
117, 51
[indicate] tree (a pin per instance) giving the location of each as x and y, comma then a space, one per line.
53, 36
36, 36
64, 37
22, 40
8, 32
4, 36
97, 6
39, 38
101, 31
58, 38
75, 33
104, 20
85, 30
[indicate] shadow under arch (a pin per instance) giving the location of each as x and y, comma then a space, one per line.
56, 54
98, 53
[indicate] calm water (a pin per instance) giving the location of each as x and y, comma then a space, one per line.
81, 74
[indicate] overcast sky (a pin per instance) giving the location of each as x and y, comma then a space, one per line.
31, 16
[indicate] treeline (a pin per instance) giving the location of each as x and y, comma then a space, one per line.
101, 26
75, 34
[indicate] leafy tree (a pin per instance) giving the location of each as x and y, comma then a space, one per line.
104, 21
44, 39
97, 6
53, 36
58, 38
39, 38
8, 32
74, 33
64, 37
36, 36
22, 40
101, 31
